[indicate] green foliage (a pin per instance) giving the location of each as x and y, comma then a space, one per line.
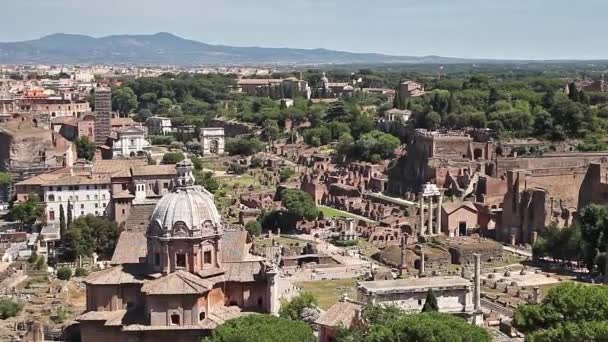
64, 273
80, 272
564, 244
393, 324
206, 180
61, 315
161, 139
293, 309
317, 136
430, 304
197, 163
254, 228
593, 220
5, 178
124, 100
570, 311
28, 212
299, 204
40, 264
345, 243
262, 328
243, 146
90, 234
270, 130
236, 169
85, 149
286, 174
9, 308
373, 146
173, 157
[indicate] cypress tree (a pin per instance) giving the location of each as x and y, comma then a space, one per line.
61, 220
430, 304
69, 223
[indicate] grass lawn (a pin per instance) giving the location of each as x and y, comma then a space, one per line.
284, 240
242, 180
328, 292
331, 212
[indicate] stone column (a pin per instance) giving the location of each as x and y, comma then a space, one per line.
439, 213
431, 229
422, 270
477, 289
166, 264
422, 230
273, 298
536, 295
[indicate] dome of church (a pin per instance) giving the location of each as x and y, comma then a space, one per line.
188, 210
191, 206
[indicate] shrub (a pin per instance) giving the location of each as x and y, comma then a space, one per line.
64, 273
9, 308
80, 272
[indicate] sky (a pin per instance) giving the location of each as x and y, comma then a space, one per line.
501, 29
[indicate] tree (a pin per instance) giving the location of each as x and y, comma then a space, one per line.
294, 308
90, 234
64, 273
5, 178
28, 212
270, 130
299, 204
172, 158
254, 228
243, 146
262, 328
69, 219
286, 174
9, 308
206, 180
85, 149
124, 100
62, 223
568, 307
432, 120
430, 304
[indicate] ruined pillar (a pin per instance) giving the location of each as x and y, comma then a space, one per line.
439, 213
431, 229
273, 298
422, 266
477, 289
422, 230
536, 295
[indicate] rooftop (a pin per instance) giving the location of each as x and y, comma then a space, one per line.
153, 170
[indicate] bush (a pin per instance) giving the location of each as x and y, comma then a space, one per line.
294, 308
262, 328
236, 169
173, 157
286, 174
9, 308
64, 273
81, 272
161, 139
40, 263
254, 228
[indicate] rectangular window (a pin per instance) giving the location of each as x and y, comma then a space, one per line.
180, 260
207, 257
103, 197
157, 259
96, 213
96, 205
82, 213
88, 197
82, 206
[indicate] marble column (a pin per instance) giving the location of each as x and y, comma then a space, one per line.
477, 289
422, 270
422, 230
439, 213
273, 293
431, 229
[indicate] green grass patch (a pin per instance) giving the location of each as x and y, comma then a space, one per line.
329, 292
263, 241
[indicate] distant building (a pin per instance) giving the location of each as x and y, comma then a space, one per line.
159, 126
397, 115
127, 142
103, 114
411, 89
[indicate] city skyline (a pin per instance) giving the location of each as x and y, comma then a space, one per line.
535, 29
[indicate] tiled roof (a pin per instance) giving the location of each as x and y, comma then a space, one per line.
131, 248
49, 179
180, 282
453, 206
235, 245
117, 165
122, 274
340, 314
154, 170
122, 122
101, 315
244, 271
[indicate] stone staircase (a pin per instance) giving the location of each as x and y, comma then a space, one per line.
139, 218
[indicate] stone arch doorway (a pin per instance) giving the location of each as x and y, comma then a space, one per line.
214, 146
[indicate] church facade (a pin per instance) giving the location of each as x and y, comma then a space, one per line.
181, 278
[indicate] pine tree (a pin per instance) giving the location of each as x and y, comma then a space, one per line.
61, 220
430, 304
69, 222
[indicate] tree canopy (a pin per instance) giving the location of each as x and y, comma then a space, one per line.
124, 100
262, 328
85, 148
299, 204
294, 308
90, 234
28, 212
173, 157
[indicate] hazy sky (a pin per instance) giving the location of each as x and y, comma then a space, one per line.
536, 29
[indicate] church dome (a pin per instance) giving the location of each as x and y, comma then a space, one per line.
187, 211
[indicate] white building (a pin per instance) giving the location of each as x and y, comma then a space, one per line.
129, 142
159, 126
397, 115
454, 294
85, 193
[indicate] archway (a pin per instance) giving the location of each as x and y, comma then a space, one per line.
213, 146
477, 153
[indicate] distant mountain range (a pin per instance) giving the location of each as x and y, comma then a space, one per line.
168, 49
